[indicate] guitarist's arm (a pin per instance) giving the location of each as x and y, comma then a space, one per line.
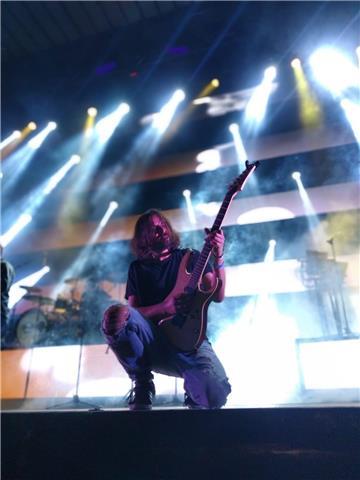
154, 312
216, 240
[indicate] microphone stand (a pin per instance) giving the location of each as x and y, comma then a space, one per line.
76, 401
339, 288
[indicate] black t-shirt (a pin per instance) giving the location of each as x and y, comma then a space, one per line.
151, 281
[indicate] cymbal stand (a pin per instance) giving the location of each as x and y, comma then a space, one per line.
339, 288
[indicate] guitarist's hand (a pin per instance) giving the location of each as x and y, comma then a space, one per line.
183, 303
180, 304
216, 240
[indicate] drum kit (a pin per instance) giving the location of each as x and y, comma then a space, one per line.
49, 321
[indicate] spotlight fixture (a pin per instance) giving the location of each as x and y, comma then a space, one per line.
14, 136
186, 193
38, 140
92, 111
270, 74
60, 174
296, 176
107, 125
215, 82
233, 128
334, 70
75, 159
179, 95
21, 223
272, 243
105, 219
295, 63
32, 126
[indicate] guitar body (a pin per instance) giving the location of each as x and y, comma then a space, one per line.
186, 332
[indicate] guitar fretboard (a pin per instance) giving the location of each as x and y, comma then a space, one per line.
206, 250
205, 253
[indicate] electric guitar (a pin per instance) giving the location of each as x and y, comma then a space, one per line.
187, 331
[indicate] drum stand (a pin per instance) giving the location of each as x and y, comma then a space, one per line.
76, 401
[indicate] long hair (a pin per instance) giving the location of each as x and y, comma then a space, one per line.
141, 243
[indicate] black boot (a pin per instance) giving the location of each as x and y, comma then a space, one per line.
141, 395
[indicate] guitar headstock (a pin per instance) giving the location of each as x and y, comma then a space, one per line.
238, 184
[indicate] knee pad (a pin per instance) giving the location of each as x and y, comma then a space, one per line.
115, 318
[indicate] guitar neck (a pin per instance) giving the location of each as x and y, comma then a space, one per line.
205, 253
206, 250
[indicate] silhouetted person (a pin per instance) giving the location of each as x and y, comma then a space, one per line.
7, 277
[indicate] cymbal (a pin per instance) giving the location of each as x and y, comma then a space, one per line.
39, 299
31, 289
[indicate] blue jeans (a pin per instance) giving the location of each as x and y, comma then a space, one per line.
141, 348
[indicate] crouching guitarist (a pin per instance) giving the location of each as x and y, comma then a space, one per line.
163, 328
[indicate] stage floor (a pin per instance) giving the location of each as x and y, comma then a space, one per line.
296, 442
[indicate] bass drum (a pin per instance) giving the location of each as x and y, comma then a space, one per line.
31, 328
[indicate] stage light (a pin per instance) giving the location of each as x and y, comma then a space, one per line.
316, 230
38, 140
208, 160
201, 100
111, 208
162, 119
256, 107
189, 206
270, 254
88, 129
16, 292
309, 108
239, 146
60, 174
16, 228
203, 95
352, 112
37, 197
107, 125
92, 112
14, 136
295, 63
334, 70
85, 254
179, 95
32, 126
270, 74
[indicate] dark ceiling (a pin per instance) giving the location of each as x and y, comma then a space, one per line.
29, 27
59, 57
